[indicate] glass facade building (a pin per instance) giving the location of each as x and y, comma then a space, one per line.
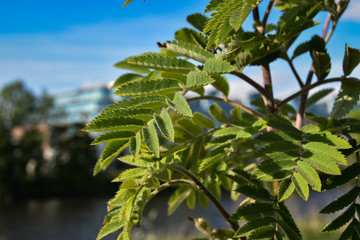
82, 105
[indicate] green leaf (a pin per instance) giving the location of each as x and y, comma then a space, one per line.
236, 114
197, 20
301, 186
138, 113
210, 161
110, 226
129, 77
156, 62
228, 131
265, 232
254, 191
134, 144
229, 14
349, 230
190, 126
309, 174
189, 50
203, 226
286, 188
151, 139
241, 177
247, 228
114, 124
198, 79
180, 105
191, 200
165, 125
289, 230
127, 2
132, 173
238, 17
321, 163
217, 66
158, 86
221, 84
138, 161
347, 174
342, 202
136, 103
317, 96
327, 151
177, 198
285, 125
316, 43
340, 221
217, 112
321, 64
111, 151
351, 59
109, 136
191, 36
253, 211
202, 120
348, 97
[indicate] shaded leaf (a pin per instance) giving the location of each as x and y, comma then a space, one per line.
125, 78
254, 191
218, 113
177, 198
342, 202
203, 120
341, 220
347, 174
317, 96
348, 97
351, 59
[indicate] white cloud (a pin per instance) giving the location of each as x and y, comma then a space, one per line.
79, 54
353, 10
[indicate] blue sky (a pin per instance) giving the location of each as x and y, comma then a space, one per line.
61, 45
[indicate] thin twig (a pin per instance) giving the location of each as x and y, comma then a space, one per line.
250, 81
232, 103
233, 224
314, 85
288, 60
266, 15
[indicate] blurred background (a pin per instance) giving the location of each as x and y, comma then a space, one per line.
56, 71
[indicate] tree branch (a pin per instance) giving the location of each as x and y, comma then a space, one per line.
232, 103
200, 187
303, 100
247, 79
306, 89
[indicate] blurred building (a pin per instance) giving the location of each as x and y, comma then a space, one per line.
81, 105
